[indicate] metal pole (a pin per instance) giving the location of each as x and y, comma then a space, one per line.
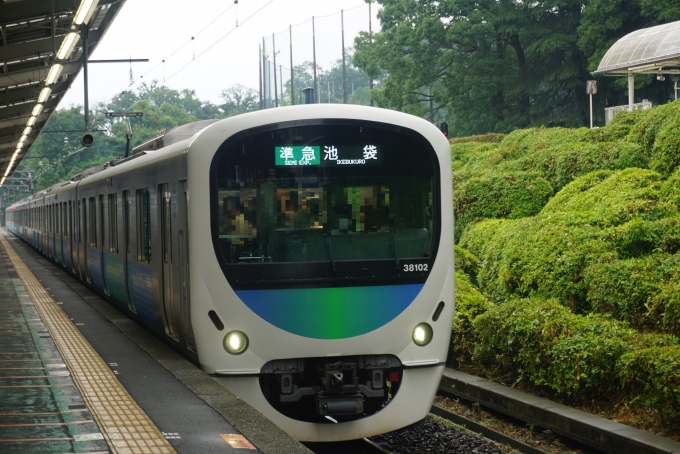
276, 87
314, 55
344, 70
370, 34
83, 34
54, 31
281, 82
292, 73
591, 111
264, 76
631, 91
259, 67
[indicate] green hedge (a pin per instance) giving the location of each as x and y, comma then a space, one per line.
596, 220
493, 137
547, 345
470, 303
652, 374
508, 195
625, 288
466, 262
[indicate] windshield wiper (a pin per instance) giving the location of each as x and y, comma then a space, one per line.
396, 253
330, 250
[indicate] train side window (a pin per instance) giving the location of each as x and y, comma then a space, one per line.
143, 226
113, 223
70, 220
78, 226
64, 213
92, 221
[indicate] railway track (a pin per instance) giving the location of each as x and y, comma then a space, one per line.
363, 446
581, 432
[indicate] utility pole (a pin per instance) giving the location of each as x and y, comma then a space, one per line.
344, 69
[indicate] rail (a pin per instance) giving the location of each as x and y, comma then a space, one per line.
591, 430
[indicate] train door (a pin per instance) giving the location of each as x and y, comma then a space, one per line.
183, 249
100, 232
66, 235
87, 233
165, 222
127, 249
71, 237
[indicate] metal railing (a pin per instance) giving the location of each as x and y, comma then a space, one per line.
610, 112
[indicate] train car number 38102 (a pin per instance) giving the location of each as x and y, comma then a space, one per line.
415, 267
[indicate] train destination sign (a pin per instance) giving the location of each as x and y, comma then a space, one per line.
328, 155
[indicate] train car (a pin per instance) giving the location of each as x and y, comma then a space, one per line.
303, 256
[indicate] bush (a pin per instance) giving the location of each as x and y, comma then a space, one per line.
597, 219
670, 189
649, 123
522, 141
543, 256
623, 288
652, 373
615, 199
560, 164
666, 149
469, 304
514, 336
547, 345
466, 153
493, 137
466, 262
508, 195
664, 307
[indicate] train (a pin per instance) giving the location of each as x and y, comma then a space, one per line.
302, 256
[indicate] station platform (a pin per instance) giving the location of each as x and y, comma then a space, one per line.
76, 375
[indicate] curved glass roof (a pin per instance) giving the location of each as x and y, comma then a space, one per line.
645, 50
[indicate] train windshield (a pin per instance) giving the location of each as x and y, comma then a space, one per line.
348, 201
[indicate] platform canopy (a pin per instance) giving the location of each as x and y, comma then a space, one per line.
41, 38
654, 50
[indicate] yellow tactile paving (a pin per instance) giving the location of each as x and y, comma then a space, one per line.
125, 426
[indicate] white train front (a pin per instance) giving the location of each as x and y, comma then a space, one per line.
302, 255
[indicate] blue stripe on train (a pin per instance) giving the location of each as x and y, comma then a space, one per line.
141, 290
94, 262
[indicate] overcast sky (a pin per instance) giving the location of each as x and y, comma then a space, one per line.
154, 29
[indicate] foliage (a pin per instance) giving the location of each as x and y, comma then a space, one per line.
656, 130
330, 82
575, 297
508, 195
466, 262
548, 345
60, 156
470, 303
488, 66
494, 66
238, 100
492, 137
652, 373
597, 219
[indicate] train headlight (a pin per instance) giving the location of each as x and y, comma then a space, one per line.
422, 334
235, 342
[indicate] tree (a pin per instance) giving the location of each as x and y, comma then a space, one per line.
606, 21
239, 99
487, 65
61, 154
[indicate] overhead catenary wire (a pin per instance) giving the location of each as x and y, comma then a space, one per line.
206, 50
220, 39
189, 40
